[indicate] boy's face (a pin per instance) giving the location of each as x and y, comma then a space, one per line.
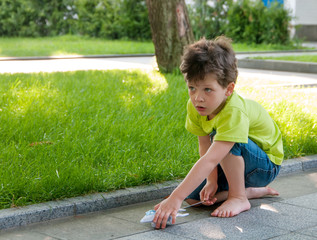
208, 96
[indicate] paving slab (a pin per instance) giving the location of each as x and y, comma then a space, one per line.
90, 227
27, 235
156, 235
294, 236
308, 201
292, 186
309, 232
240, 227
284, 216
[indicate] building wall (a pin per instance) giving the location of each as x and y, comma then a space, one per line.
306, 12
304, 24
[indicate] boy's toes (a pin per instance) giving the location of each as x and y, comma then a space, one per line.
215, 213
223, 214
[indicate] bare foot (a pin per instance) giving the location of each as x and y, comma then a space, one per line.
260, 192
232, 207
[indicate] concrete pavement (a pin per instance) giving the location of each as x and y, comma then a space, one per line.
62, 65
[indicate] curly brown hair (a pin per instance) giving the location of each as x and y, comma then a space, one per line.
210, 56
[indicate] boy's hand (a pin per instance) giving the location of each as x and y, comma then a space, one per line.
168, 207
207, 194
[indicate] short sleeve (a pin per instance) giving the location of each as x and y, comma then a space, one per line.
193, 121
232, 126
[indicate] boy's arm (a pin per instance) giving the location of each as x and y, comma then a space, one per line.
201, 170
204, 145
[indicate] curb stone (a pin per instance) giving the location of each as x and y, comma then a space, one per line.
277, 65
15, 217
296, 165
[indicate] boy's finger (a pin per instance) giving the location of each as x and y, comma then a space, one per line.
202, 195
157, 206
207, 203
164, 221
210, 201
174, 217
159, 220
156, 216
206, 197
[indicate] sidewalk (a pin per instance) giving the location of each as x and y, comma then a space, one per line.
292, 215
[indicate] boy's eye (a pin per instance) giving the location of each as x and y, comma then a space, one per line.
191, 89
208, 90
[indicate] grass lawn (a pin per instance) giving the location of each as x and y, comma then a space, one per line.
72, 133
300, 58
244, 47
76, 45
70, 45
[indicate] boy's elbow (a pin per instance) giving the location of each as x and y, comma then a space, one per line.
209, 161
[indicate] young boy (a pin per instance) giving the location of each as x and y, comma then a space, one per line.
240, 146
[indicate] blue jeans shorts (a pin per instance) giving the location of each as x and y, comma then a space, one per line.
259, 170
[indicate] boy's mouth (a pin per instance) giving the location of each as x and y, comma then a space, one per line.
200, 108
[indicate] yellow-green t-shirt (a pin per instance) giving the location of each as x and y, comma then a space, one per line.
239, 120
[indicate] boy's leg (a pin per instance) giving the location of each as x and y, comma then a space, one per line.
237, 200
259, 171
222, 193
251, 193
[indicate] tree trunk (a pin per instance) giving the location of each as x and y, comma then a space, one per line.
171, 31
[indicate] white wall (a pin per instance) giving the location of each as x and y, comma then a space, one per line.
304, 11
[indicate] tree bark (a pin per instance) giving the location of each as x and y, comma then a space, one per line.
171, 31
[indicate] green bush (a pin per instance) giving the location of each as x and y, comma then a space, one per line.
208, 20
96, 18
252, 22
17, 18
113, 19
33, 18
243, 20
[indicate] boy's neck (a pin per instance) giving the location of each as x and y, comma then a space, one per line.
221, 106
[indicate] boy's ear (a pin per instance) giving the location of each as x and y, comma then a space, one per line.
230, 89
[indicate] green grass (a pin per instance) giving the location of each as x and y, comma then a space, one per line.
70, 45
300, 58
244, 47
77, 45
67, 134
293, 109
73, 133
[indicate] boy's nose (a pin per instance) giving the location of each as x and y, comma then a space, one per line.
199, 97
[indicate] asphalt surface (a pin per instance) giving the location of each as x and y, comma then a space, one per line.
292, 215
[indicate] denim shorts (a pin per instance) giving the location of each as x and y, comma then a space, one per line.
259, 169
